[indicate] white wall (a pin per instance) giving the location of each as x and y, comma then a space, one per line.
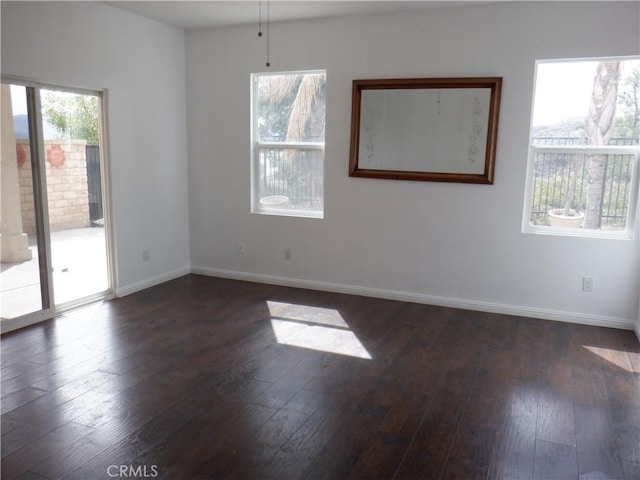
142, 64
443, 243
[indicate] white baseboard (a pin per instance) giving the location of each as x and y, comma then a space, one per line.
151, 282
533, 312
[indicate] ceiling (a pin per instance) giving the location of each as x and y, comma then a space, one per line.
202, 14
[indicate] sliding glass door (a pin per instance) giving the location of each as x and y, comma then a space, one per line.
53, 240
23, 260
71, 148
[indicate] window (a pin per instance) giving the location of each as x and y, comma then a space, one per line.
288, 124
583, 159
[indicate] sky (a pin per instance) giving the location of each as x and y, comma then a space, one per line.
563, 90
18, 100
19, 106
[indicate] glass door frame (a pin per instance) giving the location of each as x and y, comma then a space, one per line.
36, 141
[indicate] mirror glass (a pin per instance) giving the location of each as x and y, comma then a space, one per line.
425, 129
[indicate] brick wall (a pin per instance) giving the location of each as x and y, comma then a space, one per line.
66, 173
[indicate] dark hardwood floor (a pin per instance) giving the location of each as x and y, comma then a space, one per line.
212, 378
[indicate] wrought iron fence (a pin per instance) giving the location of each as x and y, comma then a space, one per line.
613, 142
561, 176
292, 172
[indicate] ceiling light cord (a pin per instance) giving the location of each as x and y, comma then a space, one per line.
268, 63
259, 18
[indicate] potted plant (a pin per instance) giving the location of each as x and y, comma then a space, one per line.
567, 217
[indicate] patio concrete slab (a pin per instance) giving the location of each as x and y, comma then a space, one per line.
79, 269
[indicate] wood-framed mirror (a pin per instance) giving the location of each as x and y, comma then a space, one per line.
426, 129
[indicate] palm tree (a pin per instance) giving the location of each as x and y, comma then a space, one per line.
305, 91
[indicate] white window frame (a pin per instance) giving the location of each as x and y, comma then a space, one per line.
257, 145
632, 209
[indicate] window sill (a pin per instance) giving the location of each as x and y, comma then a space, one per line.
287, 212
578, 232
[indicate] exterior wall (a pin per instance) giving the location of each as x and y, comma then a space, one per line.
67, 191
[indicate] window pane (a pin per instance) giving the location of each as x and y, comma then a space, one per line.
20, 280
290, 108
584, 144
78, 240
291, 173
288, 137
561, 181
587, 103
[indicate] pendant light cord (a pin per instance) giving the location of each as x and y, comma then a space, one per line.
259, 18
268, 63
268, 22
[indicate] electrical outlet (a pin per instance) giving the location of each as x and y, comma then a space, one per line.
287, 254
587, 284
145, 255
241, 248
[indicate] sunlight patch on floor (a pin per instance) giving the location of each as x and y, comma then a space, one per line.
305, 313
316, 328
619, 358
